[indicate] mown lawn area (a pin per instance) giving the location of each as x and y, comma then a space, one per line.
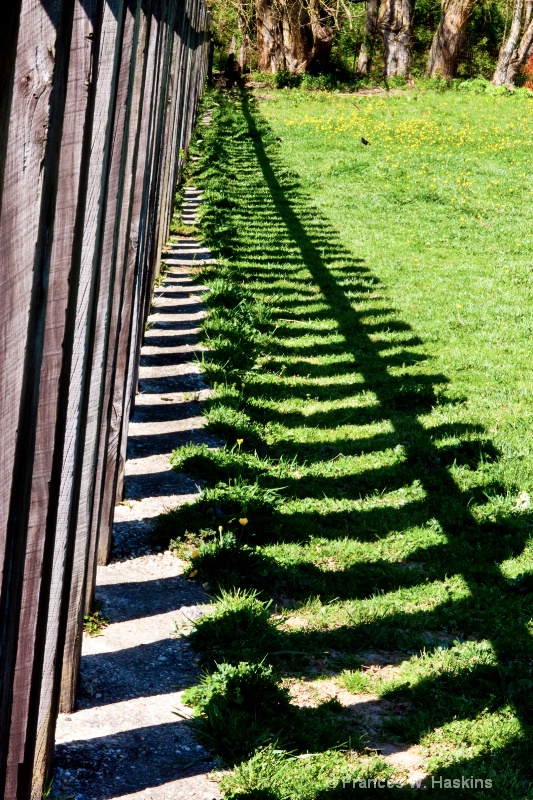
369, 519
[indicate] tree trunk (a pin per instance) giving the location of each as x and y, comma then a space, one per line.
290, 35
297, 36
323, 42
244, 45
395, 25
448, 39
367, 47
529, 13
522, 55
270, 49
508, 48
323, 37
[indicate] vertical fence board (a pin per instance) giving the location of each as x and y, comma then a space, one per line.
144, 289
75, 501
108, 276
137, 238
46, 552
121, 296
30, 181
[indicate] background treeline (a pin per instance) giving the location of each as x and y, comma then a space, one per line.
378, 39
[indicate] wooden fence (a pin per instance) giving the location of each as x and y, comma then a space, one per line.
97, 104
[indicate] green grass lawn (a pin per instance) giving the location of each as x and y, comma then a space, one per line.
371, 324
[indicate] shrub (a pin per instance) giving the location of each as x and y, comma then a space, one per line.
285, 79
528, 72
476, 85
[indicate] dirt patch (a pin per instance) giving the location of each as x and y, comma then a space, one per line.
369, 709
296, 622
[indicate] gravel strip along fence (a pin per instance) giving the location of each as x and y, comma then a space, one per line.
123, 741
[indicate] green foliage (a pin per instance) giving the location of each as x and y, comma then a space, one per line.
394, 408
236, 329
233, 343
235, 700
225, 292
224, 562
233, 426
238, 629
218, 465
247, 697
357, 682
95, 621
486, 26
247, 509
274, 774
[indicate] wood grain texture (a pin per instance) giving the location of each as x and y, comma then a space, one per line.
30, 175
143, 295
76, 488
106, 317
137, 238
56, 429
120, 313
94, 99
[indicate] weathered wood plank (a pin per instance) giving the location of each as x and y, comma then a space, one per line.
139, 232
8, 55
44, 609
168, 144
94, 287
149, 259
26, 220
75, 502
144, 289
108, 278
121, 300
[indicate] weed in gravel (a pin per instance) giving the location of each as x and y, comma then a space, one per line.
95, 621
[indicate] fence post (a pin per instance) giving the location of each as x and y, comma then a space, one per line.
30, 173
86, 376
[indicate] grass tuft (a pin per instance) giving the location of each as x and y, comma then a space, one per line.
238, 629
235, 699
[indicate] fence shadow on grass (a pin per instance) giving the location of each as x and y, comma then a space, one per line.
293, 247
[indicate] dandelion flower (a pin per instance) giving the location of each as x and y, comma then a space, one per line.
243, 521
